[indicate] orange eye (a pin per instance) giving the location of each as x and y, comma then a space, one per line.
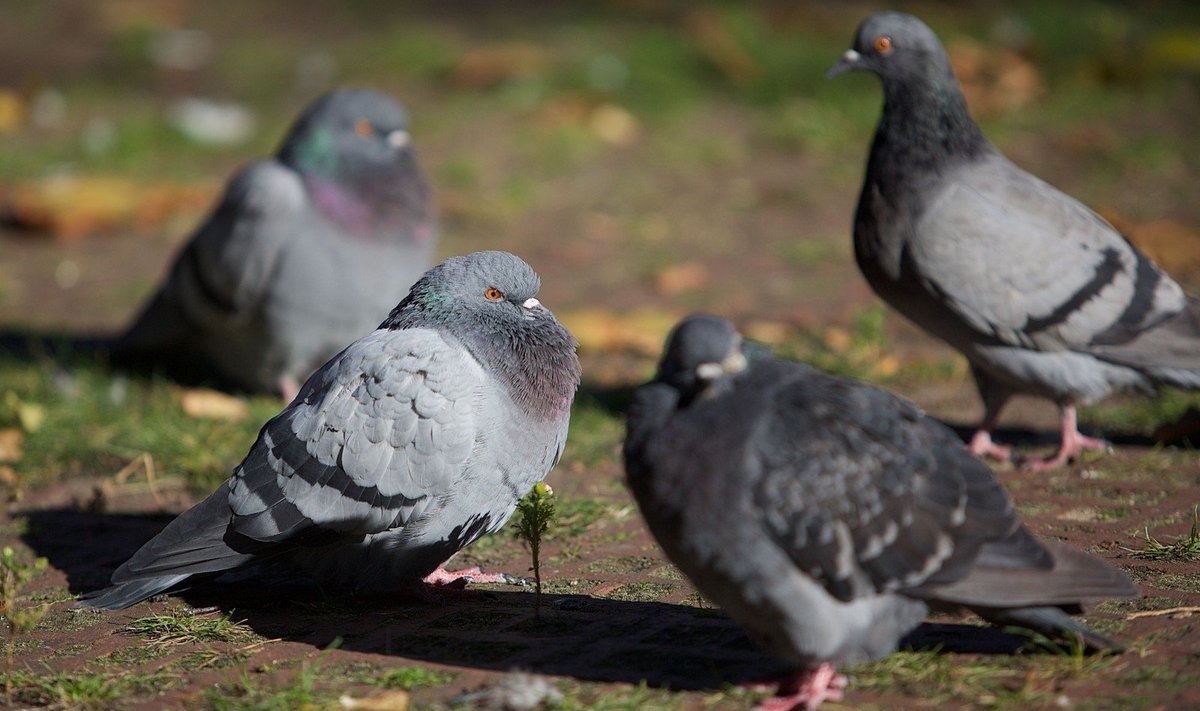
363, 128
493, 294
883, 44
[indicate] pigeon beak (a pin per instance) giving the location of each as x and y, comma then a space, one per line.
398, 138
850, 61
531, 303
735, 362
709, 371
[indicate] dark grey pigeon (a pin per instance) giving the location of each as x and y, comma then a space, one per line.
410, 444
1040, 294
306, 252
828, 516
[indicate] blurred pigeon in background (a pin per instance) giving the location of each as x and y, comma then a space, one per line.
828, 516
410, 444
306, 252
1040, 294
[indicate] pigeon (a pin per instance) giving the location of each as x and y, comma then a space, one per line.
307, 251
1042, 295
410, 444
828, 516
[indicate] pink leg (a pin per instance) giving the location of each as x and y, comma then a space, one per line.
1073, 442
982, 446
808, 690
288, 388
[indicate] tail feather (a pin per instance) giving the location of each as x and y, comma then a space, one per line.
194, 543
1053, 622
122, 595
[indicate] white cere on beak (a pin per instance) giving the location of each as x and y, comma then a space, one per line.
398, 138
531, 303
851, 56
735, 362
709, 371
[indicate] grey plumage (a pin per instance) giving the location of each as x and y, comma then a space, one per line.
407, 446
827, 516
1040, 294
307, 251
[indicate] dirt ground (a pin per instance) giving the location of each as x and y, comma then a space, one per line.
738, 225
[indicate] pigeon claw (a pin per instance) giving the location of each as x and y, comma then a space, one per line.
808, 690
982, 447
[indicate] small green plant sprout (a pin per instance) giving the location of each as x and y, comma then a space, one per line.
15, 572
1186, 548
535, 513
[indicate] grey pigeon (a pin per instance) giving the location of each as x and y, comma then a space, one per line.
307, 251
411, 443
1040, 294
828, 516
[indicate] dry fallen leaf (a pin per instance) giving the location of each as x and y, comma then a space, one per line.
490, 65
678, 278
614, 125
213, 405
10, 444
386, 701
641, 331
994, 79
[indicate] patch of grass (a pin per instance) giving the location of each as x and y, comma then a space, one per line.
408, 678
623, 564
86, 689
181, 627
596, 433
640, 697
96, 422
1185, 548
641, 591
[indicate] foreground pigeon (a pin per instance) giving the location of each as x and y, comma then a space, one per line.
410, 444
828, 516
1038, 292
306, 252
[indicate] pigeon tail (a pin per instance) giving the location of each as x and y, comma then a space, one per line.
123, 595
1053, 622
193, 543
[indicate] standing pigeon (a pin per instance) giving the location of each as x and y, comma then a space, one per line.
410, 444
306, 252
1038, 292
827, 516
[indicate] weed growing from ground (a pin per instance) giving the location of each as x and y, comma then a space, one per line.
535, 513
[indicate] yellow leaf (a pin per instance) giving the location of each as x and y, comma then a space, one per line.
213, 405
10, 444
386, 701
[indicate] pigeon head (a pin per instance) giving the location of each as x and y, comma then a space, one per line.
487, 301
925, 120
700, 351
353, 148
898, 48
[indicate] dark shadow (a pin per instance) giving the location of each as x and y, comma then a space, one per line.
588, 638
1020, 436
68, 350
28, 345
614, 400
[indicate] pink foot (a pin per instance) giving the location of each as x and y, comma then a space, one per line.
443, 578
1073, 442
808, 690
982, 446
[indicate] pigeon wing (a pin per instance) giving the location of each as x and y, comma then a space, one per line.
375, 437
223, 272
867, 495
1023, 264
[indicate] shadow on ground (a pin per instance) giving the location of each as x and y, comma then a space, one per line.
588, 638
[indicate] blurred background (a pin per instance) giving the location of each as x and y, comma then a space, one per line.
648, 158
643, 155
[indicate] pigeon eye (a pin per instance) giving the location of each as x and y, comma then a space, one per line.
363, 128
883, 44
493, 294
